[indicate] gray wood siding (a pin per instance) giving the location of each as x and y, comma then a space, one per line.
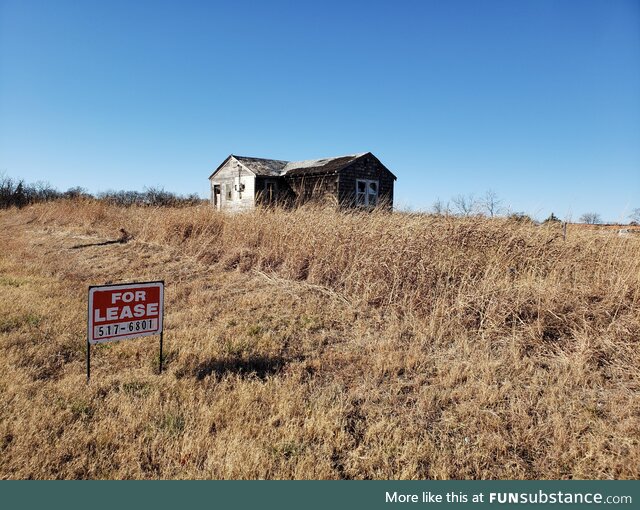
313, 187
227, 178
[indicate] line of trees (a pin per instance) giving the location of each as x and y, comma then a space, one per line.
18, 193
150, 196
491, 205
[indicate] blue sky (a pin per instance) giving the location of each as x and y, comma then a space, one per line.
537, 100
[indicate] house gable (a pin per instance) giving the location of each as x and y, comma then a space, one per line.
233, 185
365, 168
232, 158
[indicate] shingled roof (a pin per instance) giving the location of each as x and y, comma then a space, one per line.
275, 167
260, 166
319, 166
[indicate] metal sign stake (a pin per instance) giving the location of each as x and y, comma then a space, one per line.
161, 334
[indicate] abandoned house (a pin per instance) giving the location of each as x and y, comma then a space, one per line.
359, 180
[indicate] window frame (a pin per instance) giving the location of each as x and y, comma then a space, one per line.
363, 197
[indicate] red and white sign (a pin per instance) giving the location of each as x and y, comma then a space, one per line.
124, 311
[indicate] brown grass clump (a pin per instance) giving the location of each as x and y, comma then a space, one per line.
319, 344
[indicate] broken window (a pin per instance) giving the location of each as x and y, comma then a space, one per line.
361, 192
366, 192
372, 193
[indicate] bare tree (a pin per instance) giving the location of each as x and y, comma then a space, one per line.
465, 205
491, 203
591, 218
439, 207
635, 215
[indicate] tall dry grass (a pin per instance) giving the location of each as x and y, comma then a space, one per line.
320, 344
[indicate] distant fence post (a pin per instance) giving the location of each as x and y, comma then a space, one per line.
564, 230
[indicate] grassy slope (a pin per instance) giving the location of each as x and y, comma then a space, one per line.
312, 344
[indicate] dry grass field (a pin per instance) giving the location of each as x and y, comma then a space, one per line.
317, 344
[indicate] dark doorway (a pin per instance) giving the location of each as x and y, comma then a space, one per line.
216, 196
270, 192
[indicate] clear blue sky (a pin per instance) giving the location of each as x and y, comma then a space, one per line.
538, 100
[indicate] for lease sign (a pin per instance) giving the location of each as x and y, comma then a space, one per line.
124, 311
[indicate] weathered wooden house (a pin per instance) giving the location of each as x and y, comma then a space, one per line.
358, 180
